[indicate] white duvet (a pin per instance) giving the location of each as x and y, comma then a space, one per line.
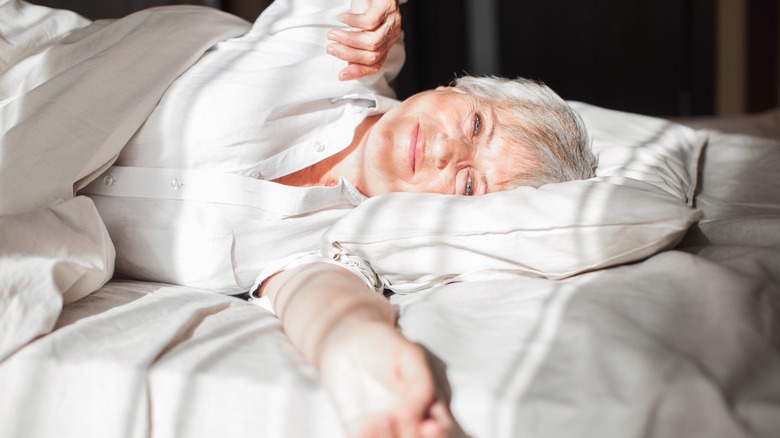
683, 343
57, 71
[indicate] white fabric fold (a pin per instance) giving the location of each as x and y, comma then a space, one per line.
78, 95
48, 257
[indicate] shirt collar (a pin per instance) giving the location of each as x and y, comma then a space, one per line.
380, 104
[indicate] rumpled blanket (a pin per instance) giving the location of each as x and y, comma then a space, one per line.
72, 93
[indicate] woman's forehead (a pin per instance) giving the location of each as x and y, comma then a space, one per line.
509, 158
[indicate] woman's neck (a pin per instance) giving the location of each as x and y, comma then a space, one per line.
343, 164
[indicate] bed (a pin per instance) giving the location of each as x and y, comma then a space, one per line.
643, 302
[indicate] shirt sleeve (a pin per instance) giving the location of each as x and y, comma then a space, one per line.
361, 268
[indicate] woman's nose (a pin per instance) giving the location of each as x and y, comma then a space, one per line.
445, 150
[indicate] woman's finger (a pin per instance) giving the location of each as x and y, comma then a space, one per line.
356, 56
371, 41
357, 71
440, 423
375, 16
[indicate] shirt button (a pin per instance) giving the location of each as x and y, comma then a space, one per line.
319, 146
108, 180
176, 184
255, 174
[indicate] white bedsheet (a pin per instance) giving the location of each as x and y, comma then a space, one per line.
680, 345
140, 358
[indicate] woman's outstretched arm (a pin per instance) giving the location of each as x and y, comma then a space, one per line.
380, 382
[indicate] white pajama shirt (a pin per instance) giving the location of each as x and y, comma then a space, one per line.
190, 200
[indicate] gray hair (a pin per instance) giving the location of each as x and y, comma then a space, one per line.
542, 129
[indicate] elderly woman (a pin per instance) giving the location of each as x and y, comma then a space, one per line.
477, 136
269, 138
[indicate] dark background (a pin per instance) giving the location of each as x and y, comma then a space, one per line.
655, 57
652, 57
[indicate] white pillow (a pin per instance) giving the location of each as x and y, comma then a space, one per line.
637, 205
656, 151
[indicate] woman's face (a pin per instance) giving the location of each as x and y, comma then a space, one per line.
438, 141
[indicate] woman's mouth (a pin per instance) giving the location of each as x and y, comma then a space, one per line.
414, 140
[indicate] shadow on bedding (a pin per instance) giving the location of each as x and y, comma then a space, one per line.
738, 193
114, 294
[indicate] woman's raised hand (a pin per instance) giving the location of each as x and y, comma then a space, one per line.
375, 25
